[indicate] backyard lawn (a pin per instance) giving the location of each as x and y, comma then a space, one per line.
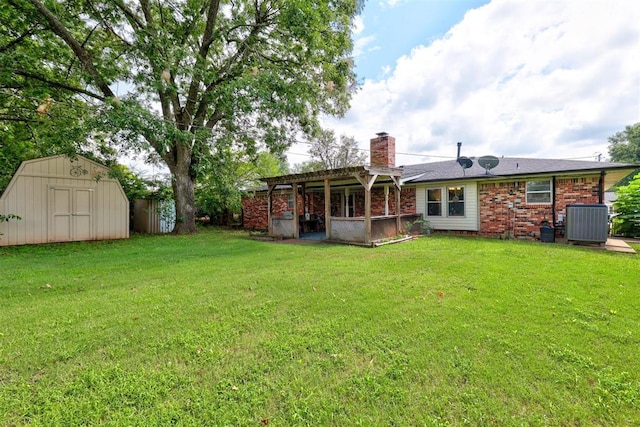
218, 329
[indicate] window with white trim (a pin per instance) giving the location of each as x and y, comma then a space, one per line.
434, 201
290, 202
539, 192
455, 201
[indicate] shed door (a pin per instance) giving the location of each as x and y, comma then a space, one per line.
71, 214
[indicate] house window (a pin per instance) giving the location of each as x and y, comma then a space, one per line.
434, 202
349, 205
539, 192
456, 201
290, 202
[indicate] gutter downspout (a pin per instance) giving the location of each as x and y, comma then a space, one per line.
553, 202
601, 188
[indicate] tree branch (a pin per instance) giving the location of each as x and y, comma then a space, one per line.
85, 57
60, 85
108, 27
17, 40
207, 39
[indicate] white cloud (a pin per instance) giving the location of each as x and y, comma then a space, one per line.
358, 25
390, 3
360, 45
513, 78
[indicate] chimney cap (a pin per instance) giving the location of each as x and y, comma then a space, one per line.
381, 134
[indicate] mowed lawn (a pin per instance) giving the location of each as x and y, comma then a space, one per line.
218, 329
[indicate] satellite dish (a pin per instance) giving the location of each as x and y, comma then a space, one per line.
488, 162
465, 163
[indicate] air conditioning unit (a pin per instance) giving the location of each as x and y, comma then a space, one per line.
587, 223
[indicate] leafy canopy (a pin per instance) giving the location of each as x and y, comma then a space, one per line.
624, 146
176, 79
627, 206
329, 152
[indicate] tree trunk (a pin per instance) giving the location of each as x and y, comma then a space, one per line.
183, 192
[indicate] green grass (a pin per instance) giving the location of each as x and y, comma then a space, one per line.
218, 329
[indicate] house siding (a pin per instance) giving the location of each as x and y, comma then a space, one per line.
468, 222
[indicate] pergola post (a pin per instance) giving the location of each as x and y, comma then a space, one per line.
296, 214
367, 215
367, 182
327, 208
269, 207
396, 181
386, 200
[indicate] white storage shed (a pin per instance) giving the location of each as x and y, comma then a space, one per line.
61, 200
154, 216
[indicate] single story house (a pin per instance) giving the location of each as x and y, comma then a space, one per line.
488, 196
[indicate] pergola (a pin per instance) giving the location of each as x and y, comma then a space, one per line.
357, 229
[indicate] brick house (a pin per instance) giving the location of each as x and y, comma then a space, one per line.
377, 201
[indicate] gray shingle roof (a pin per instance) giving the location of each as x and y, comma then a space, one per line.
508, 167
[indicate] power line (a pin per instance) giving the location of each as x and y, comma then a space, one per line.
42, 102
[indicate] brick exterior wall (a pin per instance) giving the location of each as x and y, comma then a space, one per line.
383, 151
254, 209
524, 221
408, 201
254, 206
496, 219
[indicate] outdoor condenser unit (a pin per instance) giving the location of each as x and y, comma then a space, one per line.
587, 223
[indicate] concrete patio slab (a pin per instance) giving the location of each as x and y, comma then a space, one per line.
618, 245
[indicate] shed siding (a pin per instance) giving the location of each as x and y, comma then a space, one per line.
31, 192
153, 216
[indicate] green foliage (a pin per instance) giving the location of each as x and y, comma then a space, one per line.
226, 176
329, 152
627, 208
20, 142
258, 72
421, 226
6, 218
136, 187
624, 146
111, 333
308, 166
39, 116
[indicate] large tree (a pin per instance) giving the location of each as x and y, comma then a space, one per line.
191, 74
624, 146
329, 152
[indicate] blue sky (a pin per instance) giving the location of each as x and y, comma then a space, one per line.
392, 29
519, 78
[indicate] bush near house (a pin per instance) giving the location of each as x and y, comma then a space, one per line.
627, 207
